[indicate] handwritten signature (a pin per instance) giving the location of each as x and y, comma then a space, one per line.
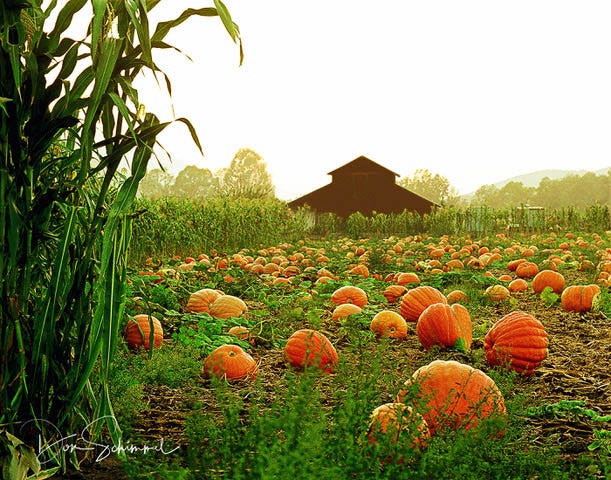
81, 442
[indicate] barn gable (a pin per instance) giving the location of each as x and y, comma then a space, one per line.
365, 186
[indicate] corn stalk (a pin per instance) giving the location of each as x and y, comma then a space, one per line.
70, 118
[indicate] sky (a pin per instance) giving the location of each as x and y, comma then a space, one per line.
476, 91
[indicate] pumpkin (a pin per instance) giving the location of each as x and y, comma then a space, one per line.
310, 348
344, 311
453, 395
230, 362
518, 285
527, 269
389, 323
517, 341
243, 333
457, 296
349, 294
200, 301
138, 332
394, 422
417, 299
404, 278
548, 278
497, 293
579, 298
393, 292
513, 264
228, 306
446, 326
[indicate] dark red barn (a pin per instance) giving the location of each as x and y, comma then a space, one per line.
365, 186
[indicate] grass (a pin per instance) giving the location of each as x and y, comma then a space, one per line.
291, 424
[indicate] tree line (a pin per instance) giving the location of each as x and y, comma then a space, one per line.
247, 177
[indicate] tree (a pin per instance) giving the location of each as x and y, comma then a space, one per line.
194, 182
436, 187
69, 118
247, 176
156, 183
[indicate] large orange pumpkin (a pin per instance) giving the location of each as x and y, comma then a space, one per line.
446, 326
344, 311
138, 332
417, 299
349, 294
527, 269
548, 278
579, 298
497, 293
228, 306
389, 323
200, 301
396, 423
310, 348
394, 292
517, 341
450, 394
230, 362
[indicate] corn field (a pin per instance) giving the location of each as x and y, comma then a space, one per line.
181, 226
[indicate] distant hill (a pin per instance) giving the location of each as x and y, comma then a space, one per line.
534, 178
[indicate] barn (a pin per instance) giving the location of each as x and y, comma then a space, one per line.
365, 186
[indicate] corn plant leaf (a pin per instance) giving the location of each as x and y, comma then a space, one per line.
65, 16
226, 19
97, 22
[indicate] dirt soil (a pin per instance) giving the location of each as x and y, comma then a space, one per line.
577, 368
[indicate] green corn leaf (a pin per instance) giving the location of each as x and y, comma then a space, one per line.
226, 19
65, 16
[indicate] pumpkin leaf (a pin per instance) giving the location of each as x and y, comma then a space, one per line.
549, 296
461, 345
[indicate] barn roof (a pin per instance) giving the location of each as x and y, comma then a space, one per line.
361, 164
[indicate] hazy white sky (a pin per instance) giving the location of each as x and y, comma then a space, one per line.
477, 91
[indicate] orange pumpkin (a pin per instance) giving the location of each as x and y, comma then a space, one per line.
457, 296
230, 362
310, 348
228, 306
527, 269
517, 341
344, 311
138, 332
349, 294
393, 292
497, 293
200, 301
395, 423
243, 333
453, 395
548, 278
446, 326
405, 278
417, 299
389, 323
518, 285
579, 298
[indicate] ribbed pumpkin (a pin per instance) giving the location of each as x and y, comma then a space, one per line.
518, 285
446, 326
138, 332
310, 348
457, 296
517, 341
349, 294
389, 323
497, 293
344, 311
228, 306
230, 362
548, 278
241, 332
417, 299
393, 292
453, 395
527, 269
579, 298
397, 423
200, 301
405, 278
